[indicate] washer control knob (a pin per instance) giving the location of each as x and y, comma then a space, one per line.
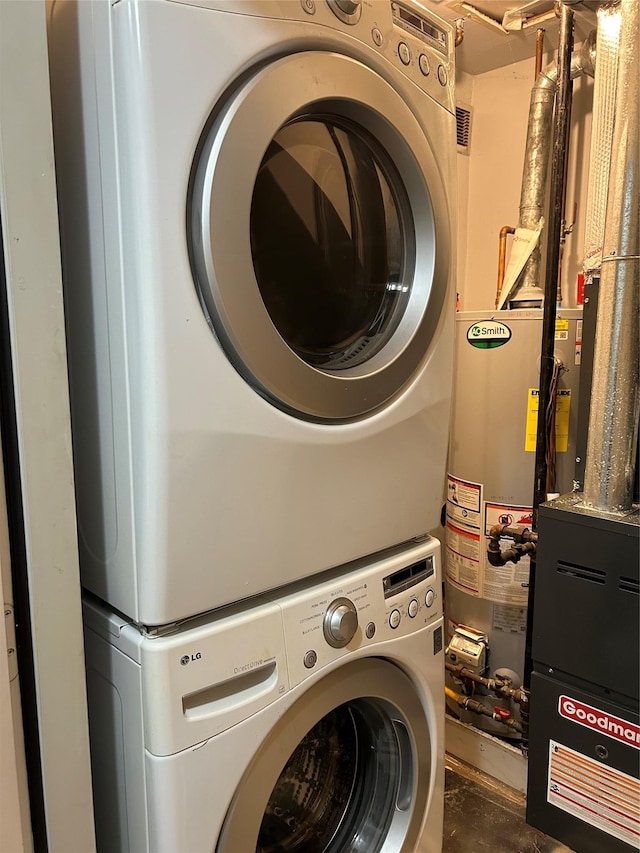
429, 597
412, 610
349, 7
340, 622
394, 618
348, 11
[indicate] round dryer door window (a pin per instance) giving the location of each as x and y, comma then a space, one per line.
355, 780
319, 235
328, 242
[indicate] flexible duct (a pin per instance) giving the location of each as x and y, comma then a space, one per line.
536, 163
604, 102
615, 393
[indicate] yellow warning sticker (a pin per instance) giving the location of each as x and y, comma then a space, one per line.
563, 407
562, 329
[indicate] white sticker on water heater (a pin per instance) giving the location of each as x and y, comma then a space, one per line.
508, 584
463, 541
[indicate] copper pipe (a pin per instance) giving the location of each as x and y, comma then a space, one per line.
502, 254
539, 51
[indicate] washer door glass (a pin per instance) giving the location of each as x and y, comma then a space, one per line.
327, 242
338, 791
354, 781
319, 234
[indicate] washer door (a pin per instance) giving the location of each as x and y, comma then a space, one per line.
319, 235
341, 772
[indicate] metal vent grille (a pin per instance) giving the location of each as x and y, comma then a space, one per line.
463, 127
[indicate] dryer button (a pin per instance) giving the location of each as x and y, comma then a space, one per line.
370, 630
423, 62
394, 618
429, 597
309, 6
404, 52
376, 35
310, 659
442, 75
413, 608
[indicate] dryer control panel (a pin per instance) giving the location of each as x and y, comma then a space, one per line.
416, 42
388, 597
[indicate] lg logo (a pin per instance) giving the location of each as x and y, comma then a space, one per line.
185, 659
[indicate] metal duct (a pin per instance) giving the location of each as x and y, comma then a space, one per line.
604, 102
536, 164
615, 395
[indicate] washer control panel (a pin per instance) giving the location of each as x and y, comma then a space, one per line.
363, 604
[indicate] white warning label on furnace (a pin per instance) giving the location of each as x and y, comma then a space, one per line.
599, 795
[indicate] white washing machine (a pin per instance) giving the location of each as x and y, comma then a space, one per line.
258, 245
313, 722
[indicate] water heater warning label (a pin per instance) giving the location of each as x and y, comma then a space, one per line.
563, 406
594, 793
462, 566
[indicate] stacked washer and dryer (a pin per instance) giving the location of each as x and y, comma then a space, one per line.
257, 218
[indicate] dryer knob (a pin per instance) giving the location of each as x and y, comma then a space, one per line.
340, 622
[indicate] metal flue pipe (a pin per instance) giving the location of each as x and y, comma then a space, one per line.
560, 139
536, 163
615, 393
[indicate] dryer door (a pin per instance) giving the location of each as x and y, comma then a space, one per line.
319, 232
347, 770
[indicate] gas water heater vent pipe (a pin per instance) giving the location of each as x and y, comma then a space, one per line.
528, 292
615, 391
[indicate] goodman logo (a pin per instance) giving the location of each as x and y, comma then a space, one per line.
488, 335
599, 721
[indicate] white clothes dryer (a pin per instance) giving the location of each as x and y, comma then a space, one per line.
257, 212
312, 723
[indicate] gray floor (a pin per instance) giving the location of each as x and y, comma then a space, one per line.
481, 814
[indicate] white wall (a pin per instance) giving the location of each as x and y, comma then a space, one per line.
490, 176
39, 374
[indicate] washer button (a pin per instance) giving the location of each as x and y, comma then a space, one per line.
370, 630
442, 75
423, 62
429, 597
394, 618
404, 53
309, 6
310, 659
376, 35
413, 608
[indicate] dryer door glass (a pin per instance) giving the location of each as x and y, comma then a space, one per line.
327, 242
341, 785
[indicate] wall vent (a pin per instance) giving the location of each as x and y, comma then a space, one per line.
463, 127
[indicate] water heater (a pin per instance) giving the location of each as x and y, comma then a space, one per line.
491, 480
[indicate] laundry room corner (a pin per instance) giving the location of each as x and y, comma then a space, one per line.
319, 421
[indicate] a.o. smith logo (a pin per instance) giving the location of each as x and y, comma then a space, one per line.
488, 334
599, 721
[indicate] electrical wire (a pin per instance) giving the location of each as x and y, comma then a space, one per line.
550, 425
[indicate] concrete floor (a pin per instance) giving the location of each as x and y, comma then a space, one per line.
481, 814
